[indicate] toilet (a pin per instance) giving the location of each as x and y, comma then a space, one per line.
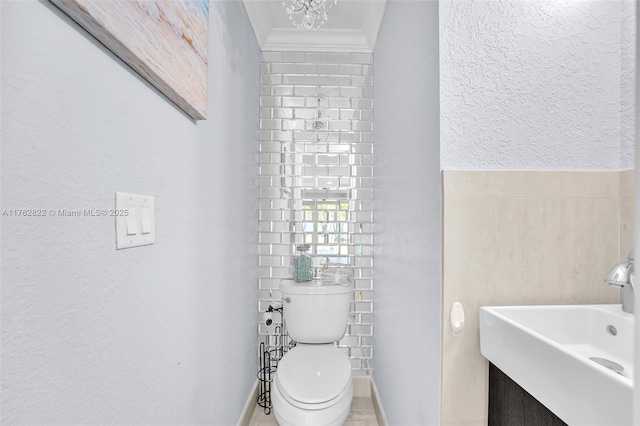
312, 384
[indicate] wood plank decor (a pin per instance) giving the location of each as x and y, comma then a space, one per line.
164, 41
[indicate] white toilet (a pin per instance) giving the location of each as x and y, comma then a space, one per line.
313, 385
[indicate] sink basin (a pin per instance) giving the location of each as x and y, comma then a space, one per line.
577, 360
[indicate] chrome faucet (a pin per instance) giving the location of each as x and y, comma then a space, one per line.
623, 276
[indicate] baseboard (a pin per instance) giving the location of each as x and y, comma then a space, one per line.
377, 405
249, 406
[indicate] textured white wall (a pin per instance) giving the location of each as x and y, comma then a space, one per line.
636, 389
628, 84
540, 84
163, 334
408, 253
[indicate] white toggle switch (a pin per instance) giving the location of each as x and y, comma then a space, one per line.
132, 223
457, 318
145, 217
135, 220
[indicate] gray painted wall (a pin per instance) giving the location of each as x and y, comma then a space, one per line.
407, 206
537, 85
163, 334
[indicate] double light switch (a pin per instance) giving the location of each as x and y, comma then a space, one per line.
135, 220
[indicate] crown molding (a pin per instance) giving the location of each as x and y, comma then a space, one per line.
371, 26
316, 41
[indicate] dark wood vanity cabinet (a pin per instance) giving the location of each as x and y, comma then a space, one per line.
510, 405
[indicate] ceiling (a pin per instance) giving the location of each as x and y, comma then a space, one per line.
352, 27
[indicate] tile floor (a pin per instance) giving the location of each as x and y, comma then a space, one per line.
362, 414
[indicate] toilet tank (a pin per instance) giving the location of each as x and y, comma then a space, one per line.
314, 313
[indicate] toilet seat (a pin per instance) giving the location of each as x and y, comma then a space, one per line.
313, 377
311, 406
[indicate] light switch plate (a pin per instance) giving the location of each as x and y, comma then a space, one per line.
135, 220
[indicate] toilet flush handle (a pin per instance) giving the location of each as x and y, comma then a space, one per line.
287, 299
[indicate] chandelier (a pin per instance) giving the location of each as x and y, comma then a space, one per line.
308, 14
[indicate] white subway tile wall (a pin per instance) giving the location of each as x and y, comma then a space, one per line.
316, 179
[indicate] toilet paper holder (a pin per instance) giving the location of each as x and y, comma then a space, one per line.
276, 344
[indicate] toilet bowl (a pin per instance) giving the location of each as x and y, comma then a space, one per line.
313, 386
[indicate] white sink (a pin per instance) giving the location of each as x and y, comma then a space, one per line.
547, 351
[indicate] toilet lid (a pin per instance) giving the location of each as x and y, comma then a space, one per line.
314, 374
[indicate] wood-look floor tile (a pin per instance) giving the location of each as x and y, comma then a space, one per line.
362, 413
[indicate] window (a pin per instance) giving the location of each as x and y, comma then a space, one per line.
326, 229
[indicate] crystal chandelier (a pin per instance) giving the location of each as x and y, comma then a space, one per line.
313, 13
